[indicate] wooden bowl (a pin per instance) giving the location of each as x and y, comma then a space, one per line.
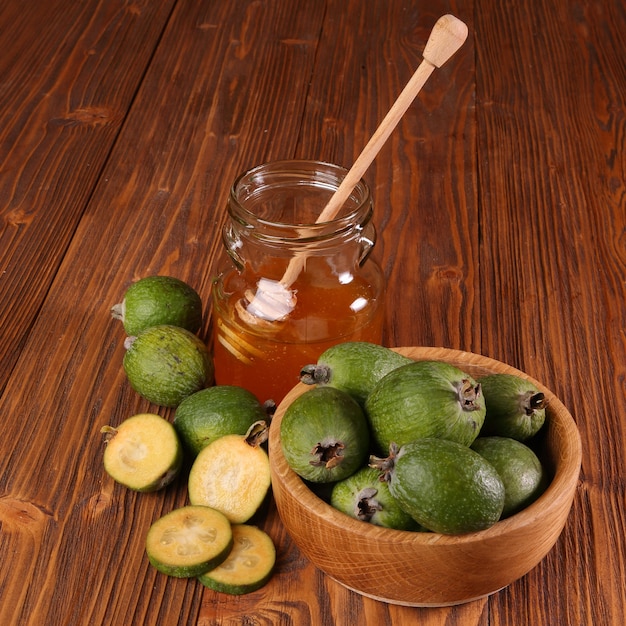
430, 569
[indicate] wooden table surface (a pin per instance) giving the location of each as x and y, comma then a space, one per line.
500, 202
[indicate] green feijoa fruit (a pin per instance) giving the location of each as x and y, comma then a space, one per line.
189, 541
248, 566
354, 367
445, 486
515, 407
165, 364
519, 468
143, 453
211, 413
324, 435
156, 300
365, 497
425, 399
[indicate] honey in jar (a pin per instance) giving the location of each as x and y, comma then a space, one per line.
296, 286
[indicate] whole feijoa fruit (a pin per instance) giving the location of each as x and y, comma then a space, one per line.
214, 412
324, 435
354, 367
515, 407
365, 497
445, 486
519, 468
425, 399
156, 300
165, 364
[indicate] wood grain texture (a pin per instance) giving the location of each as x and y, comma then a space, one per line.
501, 213
63, 100
551, 121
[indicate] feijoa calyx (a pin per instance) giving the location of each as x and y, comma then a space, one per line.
324, 435
515, 407
365, 497
445, 486
425, 399
165, 364
156, 300
354, 367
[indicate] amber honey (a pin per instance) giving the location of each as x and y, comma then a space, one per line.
266, 358
339, 291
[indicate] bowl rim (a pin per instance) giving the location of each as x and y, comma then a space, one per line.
561, 486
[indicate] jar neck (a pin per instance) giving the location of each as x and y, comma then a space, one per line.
277, 205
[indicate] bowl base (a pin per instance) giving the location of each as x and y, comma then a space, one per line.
424, 605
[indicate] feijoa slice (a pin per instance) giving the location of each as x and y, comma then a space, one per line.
519, 468
324, 435
165, 364
211, 413
515, 407
189, 541
232, 474
143, 453
354, 367
248, 566
156, 300
445, 486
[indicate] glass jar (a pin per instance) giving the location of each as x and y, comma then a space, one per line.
297, 286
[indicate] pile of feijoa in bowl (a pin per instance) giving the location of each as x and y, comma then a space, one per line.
415, 445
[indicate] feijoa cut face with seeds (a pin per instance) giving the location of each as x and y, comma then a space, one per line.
143, 453
324, 435
189, 541
248, 566
232, 474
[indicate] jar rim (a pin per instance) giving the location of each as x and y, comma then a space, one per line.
329, 175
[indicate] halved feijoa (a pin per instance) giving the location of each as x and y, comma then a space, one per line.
165, 364
156, 300
189, 541
232, 474
354, 367
324, 435
445, 486
365, 497
425, 399
142, 453
214, 412
515, 407
519, 468
248, 566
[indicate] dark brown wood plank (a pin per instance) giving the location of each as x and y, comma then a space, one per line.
207, 104
68, 74
423, 179
550, 89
